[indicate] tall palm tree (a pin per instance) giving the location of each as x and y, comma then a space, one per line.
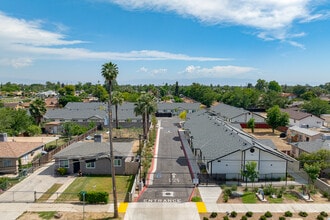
109, 73
117, 99
37, 110
145, 106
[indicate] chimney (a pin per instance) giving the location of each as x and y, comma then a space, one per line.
3, 137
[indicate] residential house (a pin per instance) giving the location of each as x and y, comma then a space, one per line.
93, 158
15, 151
95, 112
238, 115
298, 134
175, 109
225, 150
303, 119
311, 147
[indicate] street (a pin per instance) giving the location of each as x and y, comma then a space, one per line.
169, 179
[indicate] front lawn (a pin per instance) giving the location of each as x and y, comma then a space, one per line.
97, 184
249, 197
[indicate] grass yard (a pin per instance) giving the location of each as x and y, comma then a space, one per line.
97, 183
249, 197
49, 192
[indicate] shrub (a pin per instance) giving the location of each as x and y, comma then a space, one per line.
269, 190
62, 171
320, 217
291, 187
233, 214
249, 214
303, 214
225, 217
324, 214
196, 199
262, 217
288, 214
244, 217
94, 197
268, 214
228, 192
325, 194
281, 218
234, 187
213, 215
205, 218
225, 198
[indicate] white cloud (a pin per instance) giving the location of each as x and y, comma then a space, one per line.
143, 70
29, 39
215, 72
16, 63
272, 17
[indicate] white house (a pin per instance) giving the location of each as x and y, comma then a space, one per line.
303, 119
225, 150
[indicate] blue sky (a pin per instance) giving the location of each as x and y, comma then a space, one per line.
163, 41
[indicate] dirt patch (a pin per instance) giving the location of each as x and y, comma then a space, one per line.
263, 133
72, 215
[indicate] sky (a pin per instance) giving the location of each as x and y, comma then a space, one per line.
219, 42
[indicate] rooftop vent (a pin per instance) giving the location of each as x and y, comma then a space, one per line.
3, 137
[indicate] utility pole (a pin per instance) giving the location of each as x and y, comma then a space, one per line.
113, 173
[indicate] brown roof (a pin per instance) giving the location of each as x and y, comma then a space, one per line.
17, 149
296, 114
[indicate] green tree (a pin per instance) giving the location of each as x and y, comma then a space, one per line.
321, 157
33, 130
37, 110
251, 124
261, 85
313, 171
101, 93
250, 172
317, 107
117, 99
109, 73
274, 86
14, 122
276, 118
145, 106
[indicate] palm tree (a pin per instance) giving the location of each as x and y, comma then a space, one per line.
38, 110
145, 106
109, 73
117, 99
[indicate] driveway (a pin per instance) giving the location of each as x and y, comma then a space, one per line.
15, 200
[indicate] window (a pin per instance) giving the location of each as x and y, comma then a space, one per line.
64, 163
7, 163
90, 165
117, 162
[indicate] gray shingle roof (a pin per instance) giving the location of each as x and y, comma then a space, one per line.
217, 138
227, 111
314, 146
80, 150
172, 106
83, 111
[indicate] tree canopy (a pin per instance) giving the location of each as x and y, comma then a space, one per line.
276, 118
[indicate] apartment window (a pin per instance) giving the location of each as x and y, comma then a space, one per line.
90, 165
64, 163
117, 162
